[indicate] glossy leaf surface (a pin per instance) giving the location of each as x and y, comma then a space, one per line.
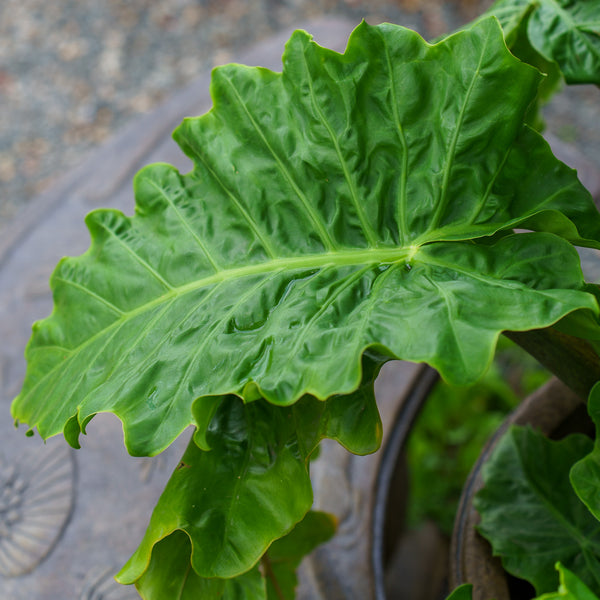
330, 211
253, 486
170, 573
562, 31
530, 513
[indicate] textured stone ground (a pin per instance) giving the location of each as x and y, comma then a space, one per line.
73, 72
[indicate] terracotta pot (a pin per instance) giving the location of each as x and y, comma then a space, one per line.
556, 411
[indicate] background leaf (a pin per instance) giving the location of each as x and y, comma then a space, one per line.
285, 555
569, 33
562, 31
531, 515
170, 574
571, 588
253, 486
462, 592
585, 474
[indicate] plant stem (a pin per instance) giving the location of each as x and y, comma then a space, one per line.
571, 359
269, 574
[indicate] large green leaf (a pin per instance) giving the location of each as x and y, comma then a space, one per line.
585, 475
323, 218
253, 486
530, 513
562, 31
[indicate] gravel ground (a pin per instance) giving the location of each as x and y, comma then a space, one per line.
72, 72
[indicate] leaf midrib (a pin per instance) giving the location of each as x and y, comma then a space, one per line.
380, 256
374, 256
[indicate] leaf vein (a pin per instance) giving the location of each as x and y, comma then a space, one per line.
185, 223
367, 230
90, 293
240, 207
136, 256
402, 203
217, 327
81, 376
450, 304
326, 239
451, 155
490, 185
352, 278
373, 301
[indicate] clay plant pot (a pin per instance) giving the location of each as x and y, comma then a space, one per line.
556, 411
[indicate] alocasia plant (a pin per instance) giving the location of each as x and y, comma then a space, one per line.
354, 208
